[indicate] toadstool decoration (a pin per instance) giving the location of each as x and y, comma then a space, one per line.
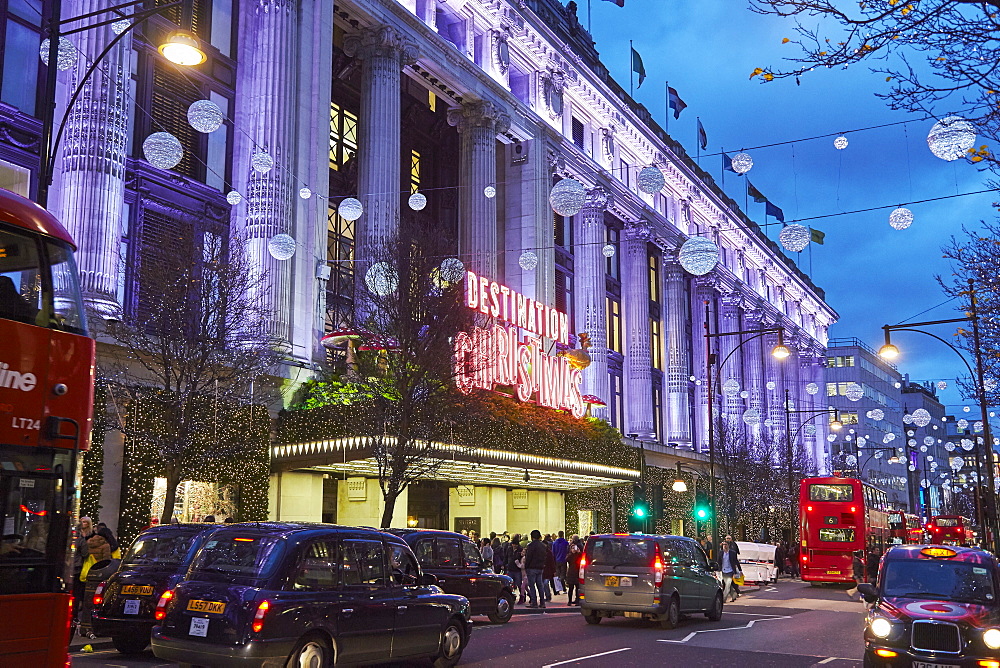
591, 401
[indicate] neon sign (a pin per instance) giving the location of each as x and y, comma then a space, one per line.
487, 357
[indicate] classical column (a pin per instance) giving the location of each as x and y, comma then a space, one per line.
478, 123
678, 352
730, 321
91, 180
638, 366
383, 53
706, 290
775, 376
755, 379
591, 295
270, 123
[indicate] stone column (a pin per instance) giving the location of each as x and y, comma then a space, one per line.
706, 290
591, 295
638, 366
678, 353
774, 373
91, 165
383, 53
755, 379
730, 321
478, 123
270, 124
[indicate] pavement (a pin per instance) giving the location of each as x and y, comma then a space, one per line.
789, 624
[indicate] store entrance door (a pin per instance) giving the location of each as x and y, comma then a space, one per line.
427, 504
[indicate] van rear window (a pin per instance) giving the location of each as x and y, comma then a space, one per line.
613, 552
253, 556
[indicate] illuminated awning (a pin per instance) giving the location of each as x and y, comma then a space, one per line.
354, 456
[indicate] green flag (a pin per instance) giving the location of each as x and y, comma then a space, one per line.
816, 236
755, 194
637, 67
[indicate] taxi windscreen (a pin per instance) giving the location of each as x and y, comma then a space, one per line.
938, 579
252, 556
161, 549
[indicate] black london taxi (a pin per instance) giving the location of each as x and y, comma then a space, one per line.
158, 558
934, 606
276, 594
459, 567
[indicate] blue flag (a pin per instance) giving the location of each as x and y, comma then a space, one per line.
727, 164
771, 210
620, 3
675, 102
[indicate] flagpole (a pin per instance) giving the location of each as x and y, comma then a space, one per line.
723, 150
631, 67
589, 10
697, 139
666, 115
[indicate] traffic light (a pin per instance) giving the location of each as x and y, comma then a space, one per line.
702, 509
638, 518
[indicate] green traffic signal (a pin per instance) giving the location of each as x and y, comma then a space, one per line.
701, 513
639, 511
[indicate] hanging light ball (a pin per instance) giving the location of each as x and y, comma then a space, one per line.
812, 388
381, 279
962, 424
350, 209
281, 246
949, 446
810, 429
921, 417
966, 409
831, 437
877, 414
951, 138
417, 201
912, 442
794, 237
528, 260
840, 143
744, 394
897, 385
742, 163
854, 392
911, 467
901, 218
452, 270
751, 416
305, 193
850, 460
731, 387
923, 448
205, 116
928, 440
770, 385
568, 197
490, 192
650, 180
608, 250
977, 427
956, 463
907, 419
67, 54
233, 197
942, 385
698, 255
121, 26
162, 150
262, 162
889, 438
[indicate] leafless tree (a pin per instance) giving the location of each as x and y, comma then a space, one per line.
198, 334
939, 57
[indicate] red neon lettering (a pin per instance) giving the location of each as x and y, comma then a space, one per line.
505, 302
484, 295
494, 304
471, 290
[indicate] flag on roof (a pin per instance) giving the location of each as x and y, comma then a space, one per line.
702, 135
816, 236
755, 194
771, 210
638, 67
675, 102
727, 164
620, 3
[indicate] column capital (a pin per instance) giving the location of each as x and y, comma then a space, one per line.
381, 42
637, 230
599, 198
479, 114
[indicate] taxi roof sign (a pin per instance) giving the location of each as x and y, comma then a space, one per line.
938, 552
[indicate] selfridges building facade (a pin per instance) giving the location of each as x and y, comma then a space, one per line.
482, 106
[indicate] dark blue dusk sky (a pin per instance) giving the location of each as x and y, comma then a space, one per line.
872, 274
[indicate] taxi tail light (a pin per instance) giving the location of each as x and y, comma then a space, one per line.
99, 594
989, 663
657, 566
161, 605
69, 614
258, 618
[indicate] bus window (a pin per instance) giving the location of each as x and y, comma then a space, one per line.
836, 535
68, 307
946, 521
20, 277
831, 493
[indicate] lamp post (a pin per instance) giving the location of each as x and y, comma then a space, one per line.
779, 352
181, 48
680, 486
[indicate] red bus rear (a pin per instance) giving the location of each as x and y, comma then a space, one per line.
950, 530
905, 528
838, 516
46, 399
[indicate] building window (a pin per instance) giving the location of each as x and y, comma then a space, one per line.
625, 175
21, 64
343, 136
340, 257
658, 411
564, 292
617, 404
840, 361
564, 231
613, 263
846, 417
654, 279
414, 171
614, 325
655, 344
578, 133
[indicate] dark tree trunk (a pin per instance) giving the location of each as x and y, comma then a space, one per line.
173, 480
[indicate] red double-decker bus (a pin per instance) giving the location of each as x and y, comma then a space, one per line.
905, 528
46, 399
838, 516
950, 530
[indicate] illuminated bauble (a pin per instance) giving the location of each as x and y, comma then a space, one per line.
907, 419
744, 394
942, 385
381, 279
794, 238
417, 201
912, 467
910, 432
770, 385
951, 138
490, 192
452, 270
812, 388
233, 197
912, 442
923, 448
840, 143
742, 163
901, 218
928, 440
528, 260
262, 162
67, 54
205, 116
731, 387
809, 429
966, 409
889, 438
850, 460
121, 26
163, 150
608, 250
977, 427
930, 458
877, 414
949, 446
962, 424
281, 246
925, 483
305, 193
698, 255
967, 444
897, 385
861, 441
350, 209
854, 392
769, 422
650, 180
831, 437
956, 463
568, 197
751, 416
921, 417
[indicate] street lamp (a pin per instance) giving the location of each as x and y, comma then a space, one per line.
680, 486
180, 48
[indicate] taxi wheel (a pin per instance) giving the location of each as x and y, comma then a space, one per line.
313, 651
592, 618
131, 643
714, 613
504, 609
673, 616
450, 652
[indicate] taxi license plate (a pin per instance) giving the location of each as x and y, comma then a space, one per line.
132, 607
924, 664
617, 581
206, 606
199, 627
137, 590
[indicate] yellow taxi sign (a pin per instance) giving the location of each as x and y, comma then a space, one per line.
938, 552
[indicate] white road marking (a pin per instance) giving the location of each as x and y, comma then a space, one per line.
584, 658
827, 660
755, 614
734, 628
